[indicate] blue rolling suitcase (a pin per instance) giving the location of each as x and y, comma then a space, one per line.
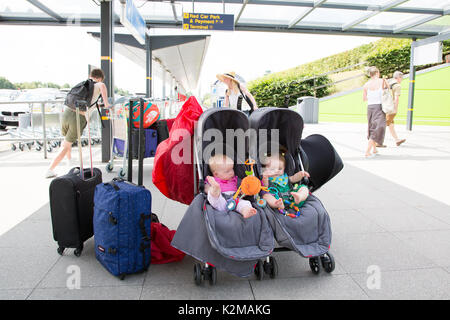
150, 143
122, 217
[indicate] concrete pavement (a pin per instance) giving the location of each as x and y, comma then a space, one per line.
390, 218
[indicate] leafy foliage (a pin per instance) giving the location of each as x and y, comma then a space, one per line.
6, 84
387, 54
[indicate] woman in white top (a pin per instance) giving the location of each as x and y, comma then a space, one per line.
234, 91
372, 92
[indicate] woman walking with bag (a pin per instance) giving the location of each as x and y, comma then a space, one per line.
372, 92
237, 96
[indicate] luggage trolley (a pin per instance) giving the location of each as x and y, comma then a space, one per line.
119, 137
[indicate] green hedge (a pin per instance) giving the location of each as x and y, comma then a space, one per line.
275, 93
394, 54
387, 54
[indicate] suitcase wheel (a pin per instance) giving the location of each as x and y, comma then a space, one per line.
60, 250
122, 276
78, 251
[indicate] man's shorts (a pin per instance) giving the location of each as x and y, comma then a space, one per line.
390, 118
69, 125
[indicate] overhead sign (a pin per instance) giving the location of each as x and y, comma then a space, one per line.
133, 21
428, 54
208, 21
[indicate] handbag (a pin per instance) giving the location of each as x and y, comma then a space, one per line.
247, 99
387, 100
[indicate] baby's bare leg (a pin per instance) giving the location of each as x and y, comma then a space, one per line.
273, 202
245, 208
300, 195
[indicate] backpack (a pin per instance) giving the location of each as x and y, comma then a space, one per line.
82, 91
387, 99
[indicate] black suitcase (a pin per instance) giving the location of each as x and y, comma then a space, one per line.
72, 204
161, 129
72, 208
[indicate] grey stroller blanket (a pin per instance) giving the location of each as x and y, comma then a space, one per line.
309, 234
224, 239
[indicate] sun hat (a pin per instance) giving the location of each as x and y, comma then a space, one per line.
230, 75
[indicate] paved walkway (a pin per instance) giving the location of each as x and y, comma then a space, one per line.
390, 218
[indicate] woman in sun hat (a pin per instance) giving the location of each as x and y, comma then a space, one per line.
236, 90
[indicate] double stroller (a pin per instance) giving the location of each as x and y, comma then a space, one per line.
225, 240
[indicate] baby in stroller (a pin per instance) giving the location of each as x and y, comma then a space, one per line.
284, 192
227, 239
224, 182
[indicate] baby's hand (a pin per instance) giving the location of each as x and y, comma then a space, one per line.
265, 180
278, 204
215, 187
299, 176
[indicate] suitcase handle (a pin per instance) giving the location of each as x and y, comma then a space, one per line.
77, 171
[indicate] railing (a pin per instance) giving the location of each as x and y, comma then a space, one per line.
44, 137
168, 109
45, 121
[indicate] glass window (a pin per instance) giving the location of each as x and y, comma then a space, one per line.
19, 8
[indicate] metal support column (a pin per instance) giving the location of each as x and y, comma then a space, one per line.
412, 80
148, 69
106, 52
164, 84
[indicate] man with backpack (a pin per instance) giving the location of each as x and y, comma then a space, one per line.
89, 91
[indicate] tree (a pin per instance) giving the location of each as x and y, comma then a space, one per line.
6, 84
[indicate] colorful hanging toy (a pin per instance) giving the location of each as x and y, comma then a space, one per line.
287, 203
250, 186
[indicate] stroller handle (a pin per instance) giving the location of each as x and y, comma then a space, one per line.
304, 179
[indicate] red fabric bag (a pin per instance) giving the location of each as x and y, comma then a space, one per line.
162, 251
173, 171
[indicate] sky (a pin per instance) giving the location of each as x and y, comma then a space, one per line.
62, 54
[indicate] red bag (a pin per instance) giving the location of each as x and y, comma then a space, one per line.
162, 251
173, 171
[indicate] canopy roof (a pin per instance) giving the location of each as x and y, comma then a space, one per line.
181, 56
381, 18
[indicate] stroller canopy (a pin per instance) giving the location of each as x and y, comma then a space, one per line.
290, 128
222, 130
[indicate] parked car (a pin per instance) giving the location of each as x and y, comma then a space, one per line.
9, 113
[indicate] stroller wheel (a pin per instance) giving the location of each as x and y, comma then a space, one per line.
259, 270
212, 275
122, 173
198, 274
314, 264
271, 267
328, 262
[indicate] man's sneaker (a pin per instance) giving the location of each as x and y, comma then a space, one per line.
50, 174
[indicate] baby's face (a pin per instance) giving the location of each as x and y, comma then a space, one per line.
274, 167
224, 171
